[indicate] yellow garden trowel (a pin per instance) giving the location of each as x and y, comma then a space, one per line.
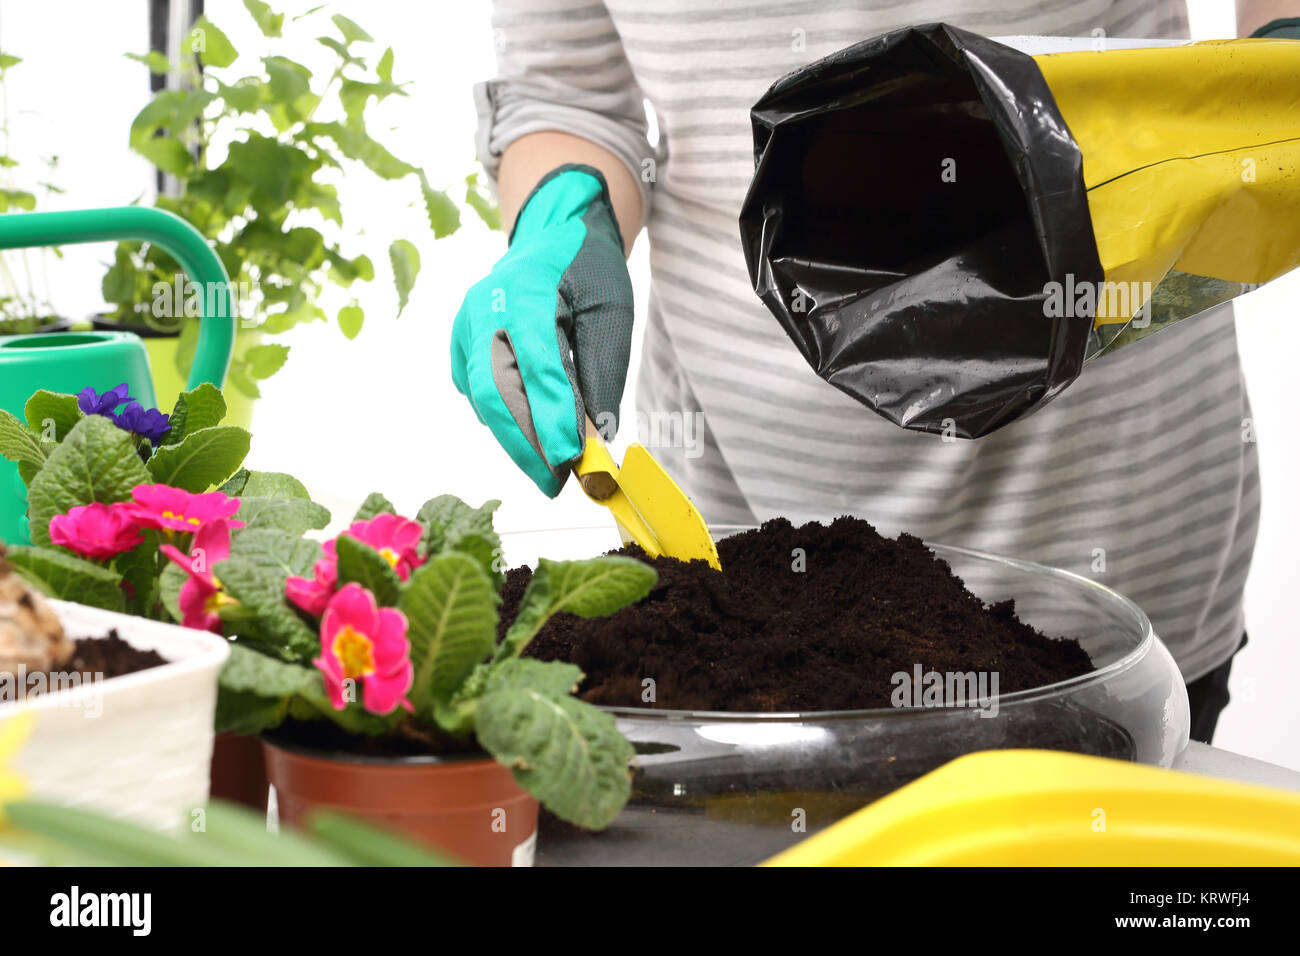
647, 504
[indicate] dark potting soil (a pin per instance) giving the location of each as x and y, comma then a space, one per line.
763, 635
98, 658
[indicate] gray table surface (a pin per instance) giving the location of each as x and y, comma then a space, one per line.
643, 837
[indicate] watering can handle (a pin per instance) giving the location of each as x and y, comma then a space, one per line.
169, 232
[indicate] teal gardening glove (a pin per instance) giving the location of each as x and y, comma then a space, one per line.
542, 343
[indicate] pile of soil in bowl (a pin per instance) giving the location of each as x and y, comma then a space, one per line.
96, 658
761, 635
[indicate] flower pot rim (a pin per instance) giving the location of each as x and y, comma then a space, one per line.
270, 738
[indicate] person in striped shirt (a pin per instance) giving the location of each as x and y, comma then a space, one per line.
1143, 474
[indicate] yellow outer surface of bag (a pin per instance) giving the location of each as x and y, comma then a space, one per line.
1047, 808
1191, 156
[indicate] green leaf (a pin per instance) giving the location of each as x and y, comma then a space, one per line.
97, 461
139, 569
249, 671
481, 202
202, 459
375, 504
406, 266
265, 615
351, 318
295, 515
566, 753
363, 564
451, 611
265, 360
351, 32
384, 69
170, 582
156, 62
68, 577
553, 678
277, 551
447, 519
486, 550
167, 154
18, 443
199, 408
213, 47
264, 484
269, 23
590, 588
443, 213
52, 408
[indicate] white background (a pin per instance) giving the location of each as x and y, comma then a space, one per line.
380, 413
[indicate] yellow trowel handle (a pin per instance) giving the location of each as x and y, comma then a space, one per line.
598, 475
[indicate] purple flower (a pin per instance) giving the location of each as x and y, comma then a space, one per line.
146, 422
92, 403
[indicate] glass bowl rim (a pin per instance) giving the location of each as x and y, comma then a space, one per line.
1111, 670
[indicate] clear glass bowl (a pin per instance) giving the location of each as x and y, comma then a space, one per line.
717, 788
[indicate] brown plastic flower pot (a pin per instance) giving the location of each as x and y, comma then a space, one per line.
469, 807
239, 770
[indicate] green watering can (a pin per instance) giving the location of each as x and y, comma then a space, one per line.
71, 361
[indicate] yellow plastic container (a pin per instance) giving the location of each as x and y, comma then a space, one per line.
1045, 808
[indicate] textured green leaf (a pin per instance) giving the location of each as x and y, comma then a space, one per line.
447, 519
295, 515
18, 443
139, 570
96, 462
351, 318
201, 407
406, 266
375, 504
566, 753
213, 47
360, 563
265, 616
202, 459
451, 610
264, 484
170, 582
62, 575
554, 678
486, 550
590, 588
52, 408
282, 552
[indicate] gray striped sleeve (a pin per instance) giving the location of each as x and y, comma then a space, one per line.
562, 67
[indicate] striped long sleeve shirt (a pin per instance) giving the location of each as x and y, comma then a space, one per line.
1143, 475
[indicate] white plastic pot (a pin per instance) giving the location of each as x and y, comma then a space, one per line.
137, 746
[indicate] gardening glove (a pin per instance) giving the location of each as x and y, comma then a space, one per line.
1288, 28
542, 343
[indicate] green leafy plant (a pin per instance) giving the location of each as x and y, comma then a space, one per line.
389, 629
23, 308
266, 204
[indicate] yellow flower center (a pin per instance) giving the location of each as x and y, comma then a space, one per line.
390, 556
176, 517
217, 601
355, 652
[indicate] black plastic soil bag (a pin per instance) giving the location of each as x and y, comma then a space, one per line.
913, 196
